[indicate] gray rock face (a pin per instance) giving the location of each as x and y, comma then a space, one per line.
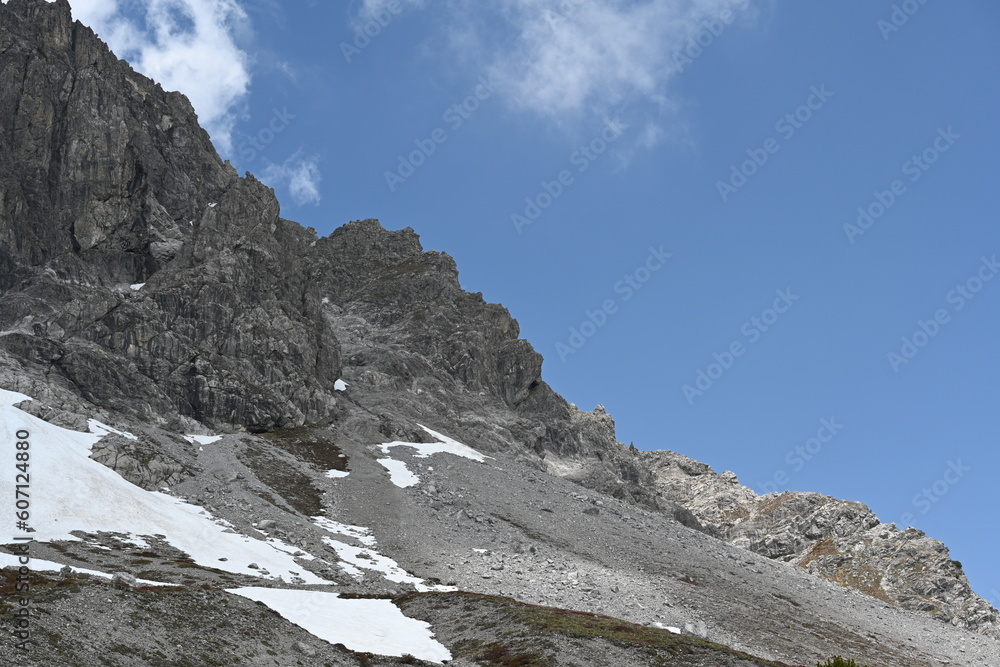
107, 181
838, 540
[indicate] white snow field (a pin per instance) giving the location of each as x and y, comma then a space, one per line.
71, 492
374, 626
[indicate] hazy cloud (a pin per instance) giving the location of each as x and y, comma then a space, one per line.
571, 56
300, 174
586, 59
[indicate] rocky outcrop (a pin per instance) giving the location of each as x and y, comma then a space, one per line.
141, 274
838, 540
139, 271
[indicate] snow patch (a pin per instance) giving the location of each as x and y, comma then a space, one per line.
38, 565
367, 626
336, 474
399, 474
12, 397
135, 287
360, 533
103, 429
202, 439
402, 477
340, 385
72, 492
369, 559
445, 445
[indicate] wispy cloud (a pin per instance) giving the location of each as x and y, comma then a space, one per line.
300, 174
568, 59
185, 45
573, 56
372, 8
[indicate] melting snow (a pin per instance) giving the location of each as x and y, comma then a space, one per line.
401, 476
38, 565
399, 473
369, 559
103, 429
372, 626
445, 445
340, 385
72, 492
137, 286
335, 474
202, 439
360, 533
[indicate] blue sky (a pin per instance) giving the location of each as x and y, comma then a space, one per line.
821, 175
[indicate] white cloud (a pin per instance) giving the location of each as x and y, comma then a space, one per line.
299, 174
185, 45
586, 59
570, 56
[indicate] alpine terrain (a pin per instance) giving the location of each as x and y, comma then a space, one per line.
228, 441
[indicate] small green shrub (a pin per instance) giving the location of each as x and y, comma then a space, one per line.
837, 661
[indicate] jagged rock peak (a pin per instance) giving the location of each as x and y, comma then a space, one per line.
841, 541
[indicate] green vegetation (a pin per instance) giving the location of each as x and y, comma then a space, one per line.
525, 634
837, 661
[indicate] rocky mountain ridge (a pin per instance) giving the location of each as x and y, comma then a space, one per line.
144, 283
840, 541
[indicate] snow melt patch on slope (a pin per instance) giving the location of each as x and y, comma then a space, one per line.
103, 429
340, 385
72, 492
202, 439
399, 474
366, 626
402, 477
369, 559
38, 565
360, 533
354, 559
445, 445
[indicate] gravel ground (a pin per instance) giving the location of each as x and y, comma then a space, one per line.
499, 528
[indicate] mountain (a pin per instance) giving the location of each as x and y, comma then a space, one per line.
249, 444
